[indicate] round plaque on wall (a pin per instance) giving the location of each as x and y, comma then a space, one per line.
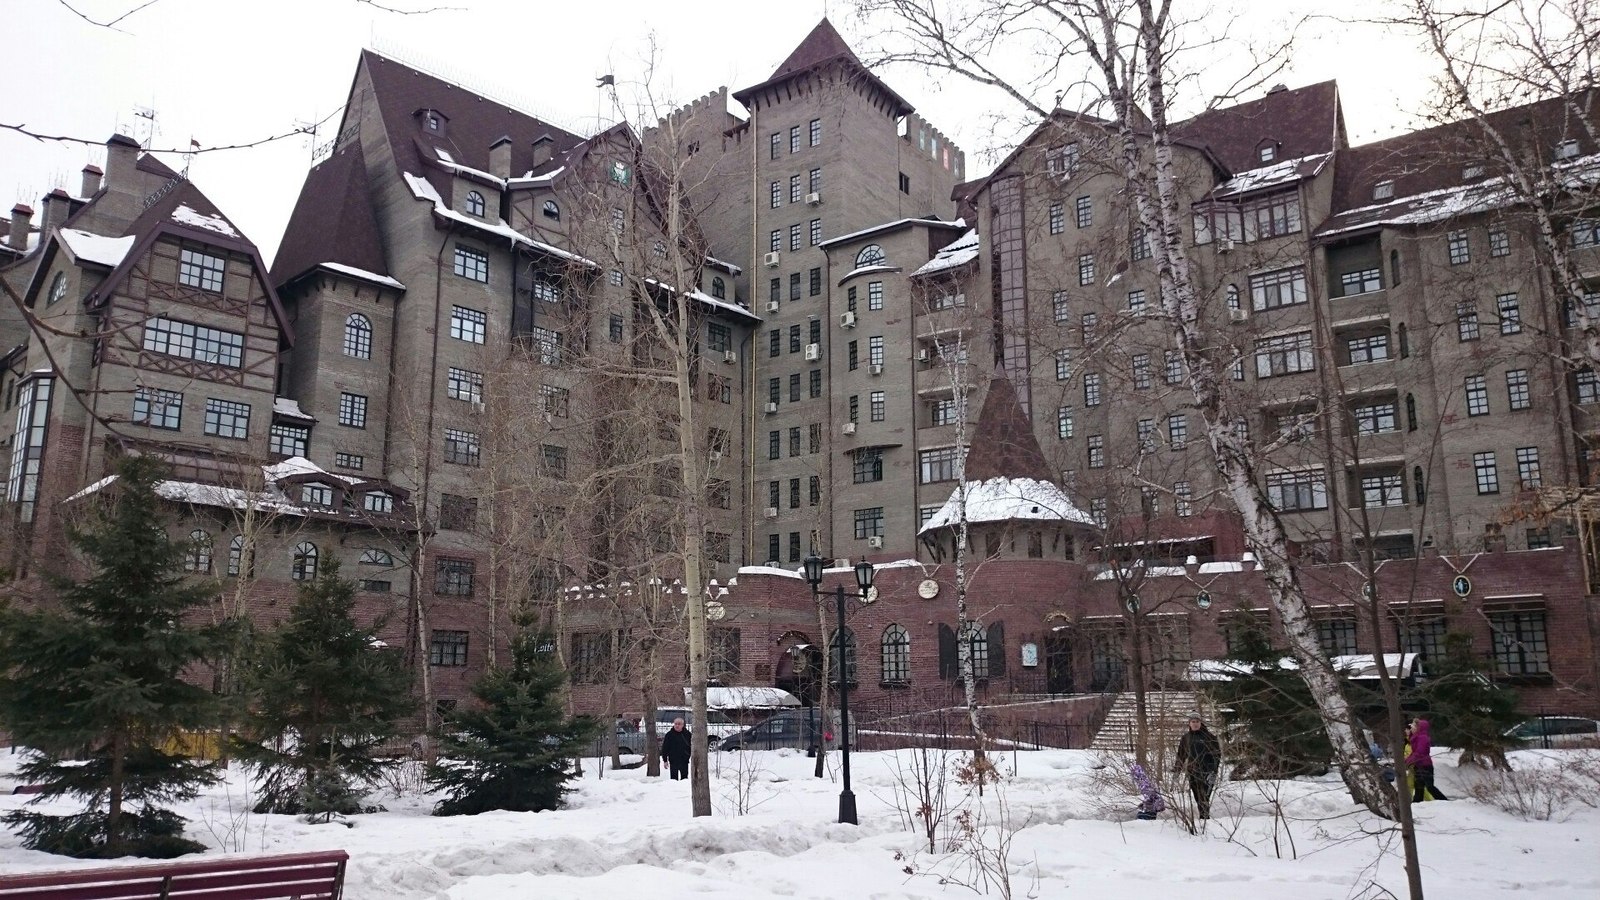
928, 589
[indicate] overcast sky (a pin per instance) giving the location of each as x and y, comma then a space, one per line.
233, 71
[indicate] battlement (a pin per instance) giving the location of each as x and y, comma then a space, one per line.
709, 111
934, 144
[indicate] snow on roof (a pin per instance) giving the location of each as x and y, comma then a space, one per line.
363, 274
92, 489
1278, 174
449, 162
711, 301
423, 190
188, 215
867, 270
531, 180
299, 465
769, 570
722, 263
1359, 666
1211, 568
887, 226
744, 697
958, 253
207, 495
1004, 499
95, 248
283, 406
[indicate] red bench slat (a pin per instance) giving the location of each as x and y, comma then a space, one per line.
308, 876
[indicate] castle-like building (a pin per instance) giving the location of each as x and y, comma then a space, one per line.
447, 381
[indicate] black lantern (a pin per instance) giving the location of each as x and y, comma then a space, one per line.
863, 575
813, 571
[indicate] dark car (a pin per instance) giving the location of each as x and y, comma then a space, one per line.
795, 729
1557, 731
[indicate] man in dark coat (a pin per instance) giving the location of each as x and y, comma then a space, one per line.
1199, 757
675, 749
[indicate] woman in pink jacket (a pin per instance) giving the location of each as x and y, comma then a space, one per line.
1420, 759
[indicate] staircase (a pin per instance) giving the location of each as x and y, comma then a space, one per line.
1167, 713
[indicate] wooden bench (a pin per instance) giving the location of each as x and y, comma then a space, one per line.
296, 876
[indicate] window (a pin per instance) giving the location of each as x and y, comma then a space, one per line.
1384, 489
552, 211
905, 183
814, 388
1517, 394
1057, 219
843, 644
868, 468
448, 648
874, 295
775, 241
870, 255
794, 387
1487, 474
1364, 281
1086, 269
774, 548
474, 203
1091, 389
816, 132
1499, 242
1337, 636
1297, 491
869, 522
556, 402
224, 418
353, 461
1375, 418
1097, 511
1467, 321
796, 342
473, 264
453, 577
1059, 308
895, 655
1083, 210
1460, 250
304, 566
458, 513
1183, 495
317, 495
1090, 322
555, 460
237, 551
1521, 646
1172, 363
774, 142
1510, 313
1136, 301
1284, 355
1062, 162
614, 329
352, 410
1371, 348
358, 336
1177, 431
794, 139
1528, 468
58, 289
814, 490
1567, 149
158, 409
546, 343
1097, 451
794, 237
1140, 242
1271, 290
619, 171
814, 181
775, 198
1477, 393
467, 324
1588, 386
794, 546
774, 445
794, 189
1145, 433
460, 447
378, 502
1272, 216
196, 342
201, 270
463, 384
197, 556
289, 440
794, 441
875, 350
1383, 190
937, 465
1141, 372
875, 405
1063, 422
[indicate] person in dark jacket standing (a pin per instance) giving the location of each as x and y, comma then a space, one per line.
1199, 757
1420, 759
675, 749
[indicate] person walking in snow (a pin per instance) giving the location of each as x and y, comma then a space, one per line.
675, 749
1420, 758
1199, 757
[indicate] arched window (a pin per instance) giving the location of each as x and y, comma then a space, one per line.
870, 255
1405, 340
474, 203
552, 211
1411, 413
305, 561
358, 336
238, 563
978, 640
719, 288
198, 559
1233, 296
843, 659
58, 289
896, 655
1419, 486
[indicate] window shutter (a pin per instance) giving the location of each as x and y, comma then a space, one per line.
997, 650
948, 664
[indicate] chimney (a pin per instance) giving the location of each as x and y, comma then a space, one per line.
543, 149
91, 180
122, 152
500, 158
21, 217
57, 205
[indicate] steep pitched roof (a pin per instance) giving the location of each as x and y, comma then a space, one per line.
1003, 443
333, 221
823, 46
473, 123
1302, 122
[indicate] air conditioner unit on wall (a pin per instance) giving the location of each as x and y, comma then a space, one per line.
875, 542
875, 369
923, 355
772, 306
771, 259
849, 428
847, 320
813, 352
1238, 315
772, 408
1224, 245
813, 198
772, 512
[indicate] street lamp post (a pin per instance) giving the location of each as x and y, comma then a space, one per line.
864, 574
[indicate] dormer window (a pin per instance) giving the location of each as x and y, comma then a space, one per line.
378, 502
316, 495
719, 288
1383, 190
619, 172
552, 211
1268, 152
474, 203
432, 121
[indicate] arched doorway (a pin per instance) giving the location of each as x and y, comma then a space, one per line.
797, 667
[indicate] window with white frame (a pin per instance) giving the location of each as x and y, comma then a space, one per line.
1528, 468
1518, 394
358, 336
1460, 250
1486, 473
1083, 211
1476, 390
1086, 269
1510, 313
200, 269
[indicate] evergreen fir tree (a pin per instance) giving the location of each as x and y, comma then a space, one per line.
511, 750
325, 697
1278, 729
1465, 709
94, 684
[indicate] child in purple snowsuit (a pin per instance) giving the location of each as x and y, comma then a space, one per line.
1150, 802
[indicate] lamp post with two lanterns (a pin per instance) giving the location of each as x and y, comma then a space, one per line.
864, 572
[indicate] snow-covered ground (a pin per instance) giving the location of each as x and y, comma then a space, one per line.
626, 835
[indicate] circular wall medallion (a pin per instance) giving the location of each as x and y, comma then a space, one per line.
871, 596
1203, 599
1462, 585
715, 611
928, 589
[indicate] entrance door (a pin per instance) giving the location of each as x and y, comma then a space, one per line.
1058, 665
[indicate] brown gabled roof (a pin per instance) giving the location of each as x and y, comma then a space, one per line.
823, 46
1302, 122
473, 123
332, 221
1003, 443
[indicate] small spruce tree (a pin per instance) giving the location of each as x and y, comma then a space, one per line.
1465, 709
94, 684
511, 749
1269, 707
325, 697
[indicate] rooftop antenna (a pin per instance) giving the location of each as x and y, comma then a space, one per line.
309, 129
148, 114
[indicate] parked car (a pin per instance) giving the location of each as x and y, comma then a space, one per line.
796, 729
1557, 731
719, 725
630, 737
